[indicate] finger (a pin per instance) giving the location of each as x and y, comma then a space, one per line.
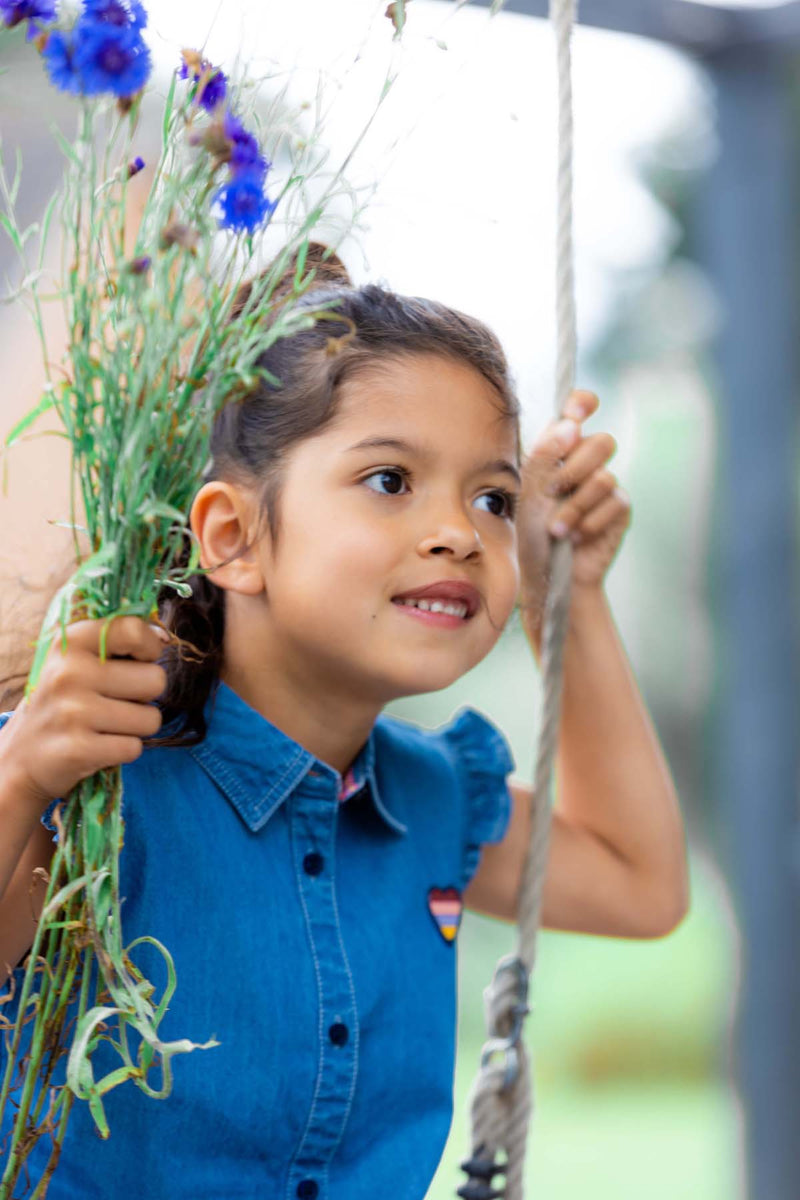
553, 443
607, 513
126, 637
581, 405
573, 511
126, 680
592, 454
130, 720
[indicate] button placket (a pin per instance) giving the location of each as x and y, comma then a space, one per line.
313, 818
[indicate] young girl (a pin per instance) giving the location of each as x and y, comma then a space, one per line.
303, 856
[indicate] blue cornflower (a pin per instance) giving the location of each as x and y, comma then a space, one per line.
245, 151
211, 92
14, 11
135, 166
243, 202
59, 61
110, 58
98, 57
114, 12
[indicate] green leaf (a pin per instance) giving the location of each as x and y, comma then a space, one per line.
58, 605
116, 1077
150, 509
47, 402
14, 191
98, 564
168, 112
101, 898
12, 232
302, 255
46, 219
79, 1070
64, 894
67, 525
66, 146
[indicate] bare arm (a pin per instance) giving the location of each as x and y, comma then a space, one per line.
25, 844
617, 862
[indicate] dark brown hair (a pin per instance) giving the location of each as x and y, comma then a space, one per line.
251, 436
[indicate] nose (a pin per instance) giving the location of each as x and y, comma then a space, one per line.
453, 534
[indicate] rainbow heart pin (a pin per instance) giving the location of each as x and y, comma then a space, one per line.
445, 906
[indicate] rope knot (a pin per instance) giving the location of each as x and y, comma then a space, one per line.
506, 999
506, 1007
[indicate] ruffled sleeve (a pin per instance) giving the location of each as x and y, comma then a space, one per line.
483, 760
47, 815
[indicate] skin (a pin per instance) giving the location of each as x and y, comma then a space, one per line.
314, 643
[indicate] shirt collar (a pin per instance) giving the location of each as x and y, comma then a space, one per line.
258, 766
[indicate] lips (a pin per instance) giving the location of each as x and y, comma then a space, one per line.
446, 589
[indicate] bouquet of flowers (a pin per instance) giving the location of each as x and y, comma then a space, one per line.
152, 355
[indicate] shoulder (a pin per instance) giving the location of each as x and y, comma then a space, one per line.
469, 735
459, 769
469, 744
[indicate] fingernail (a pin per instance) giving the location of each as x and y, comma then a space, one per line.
162, 633
559, 529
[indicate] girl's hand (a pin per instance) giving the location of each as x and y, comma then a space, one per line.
85, 714
568, 492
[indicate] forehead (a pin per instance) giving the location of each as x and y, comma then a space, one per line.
429, 398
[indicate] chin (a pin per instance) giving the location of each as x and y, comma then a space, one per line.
423, 681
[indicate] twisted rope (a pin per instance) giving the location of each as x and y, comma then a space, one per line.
501, 1101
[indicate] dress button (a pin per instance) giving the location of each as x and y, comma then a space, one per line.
312, 865
338, 1033
308, 1189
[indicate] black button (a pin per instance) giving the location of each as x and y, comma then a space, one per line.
308, 1189
338, 1033
312, 865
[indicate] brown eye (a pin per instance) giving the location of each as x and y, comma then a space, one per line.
502, 504
391, 481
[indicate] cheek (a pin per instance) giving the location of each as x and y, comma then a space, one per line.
507, 581
334, 568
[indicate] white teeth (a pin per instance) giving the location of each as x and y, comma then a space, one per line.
455, 608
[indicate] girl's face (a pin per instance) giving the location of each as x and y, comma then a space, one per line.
413, 484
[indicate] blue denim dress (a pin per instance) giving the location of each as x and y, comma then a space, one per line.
312, 922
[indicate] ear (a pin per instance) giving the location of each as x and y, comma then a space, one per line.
222, 519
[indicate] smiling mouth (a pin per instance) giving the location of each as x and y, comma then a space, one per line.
455, 610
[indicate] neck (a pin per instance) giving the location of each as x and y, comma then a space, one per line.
331, 725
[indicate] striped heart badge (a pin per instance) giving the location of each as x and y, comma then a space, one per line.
445, 907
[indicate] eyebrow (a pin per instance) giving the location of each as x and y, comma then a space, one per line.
374, 443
